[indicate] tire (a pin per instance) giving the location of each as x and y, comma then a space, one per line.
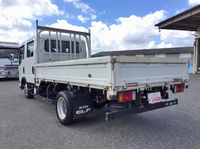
99, 106
64, 107
27, 92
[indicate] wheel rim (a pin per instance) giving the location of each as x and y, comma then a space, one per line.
61, 108
26, 89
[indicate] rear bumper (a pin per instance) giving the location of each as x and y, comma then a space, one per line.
134, 110
7, 74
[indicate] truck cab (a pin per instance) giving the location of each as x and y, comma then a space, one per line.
9, 60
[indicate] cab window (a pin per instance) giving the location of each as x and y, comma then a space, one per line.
65, 46
30, 49
77, 47
21, 54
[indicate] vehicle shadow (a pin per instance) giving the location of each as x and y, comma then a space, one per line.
8, 79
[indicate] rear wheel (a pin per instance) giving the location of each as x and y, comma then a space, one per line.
64, 107
27, 91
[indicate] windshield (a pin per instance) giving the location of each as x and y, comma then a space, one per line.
5, 53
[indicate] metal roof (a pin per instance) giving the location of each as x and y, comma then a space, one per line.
188, 20
176, 50
8, 44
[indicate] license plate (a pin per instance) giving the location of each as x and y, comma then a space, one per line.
154, 97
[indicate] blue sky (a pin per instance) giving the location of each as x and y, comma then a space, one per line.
108, 11
115, 24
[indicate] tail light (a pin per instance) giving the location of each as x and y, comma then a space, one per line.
126, 96
178, 88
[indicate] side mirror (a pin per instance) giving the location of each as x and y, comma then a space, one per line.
12, 57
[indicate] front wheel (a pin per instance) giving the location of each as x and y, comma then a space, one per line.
27, 91
64, 107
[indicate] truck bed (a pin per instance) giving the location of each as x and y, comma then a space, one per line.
114, 73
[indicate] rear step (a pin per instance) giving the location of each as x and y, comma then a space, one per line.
47, 100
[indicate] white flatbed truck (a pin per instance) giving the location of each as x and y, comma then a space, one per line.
9, 61
57, 71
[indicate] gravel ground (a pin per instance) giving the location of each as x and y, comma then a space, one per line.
30, 123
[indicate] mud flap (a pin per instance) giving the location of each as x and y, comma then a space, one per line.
82, 105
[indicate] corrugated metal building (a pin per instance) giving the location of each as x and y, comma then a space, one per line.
178, 52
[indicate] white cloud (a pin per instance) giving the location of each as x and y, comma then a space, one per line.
69, 16
164, 45
71, 0
93, 17
193, 2
14, 23
15, 35
177, 38
129, 33
170, 38
83, 19
15, 16
137, 32
85, 8
28, 9
152, 45
101, 13
63, 24
179, 11
14, 29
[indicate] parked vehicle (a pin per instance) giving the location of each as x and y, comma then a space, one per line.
9, 61
56, 70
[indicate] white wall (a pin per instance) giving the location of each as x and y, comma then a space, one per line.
139, 55
160, 55
185, 55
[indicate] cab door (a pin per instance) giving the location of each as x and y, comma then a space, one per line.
29, 64
26, 62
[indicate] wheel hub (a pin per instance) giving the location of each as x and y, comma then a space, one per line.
61, 108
